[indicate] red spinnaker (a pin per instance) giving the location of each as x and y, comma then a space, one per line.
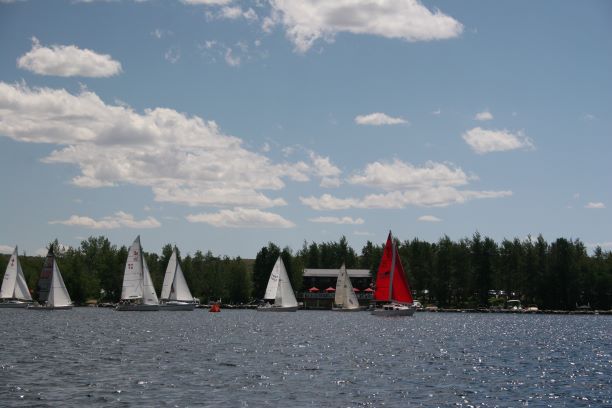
401, 288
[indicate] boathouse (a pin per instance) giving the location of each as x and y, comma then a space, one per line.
320, 284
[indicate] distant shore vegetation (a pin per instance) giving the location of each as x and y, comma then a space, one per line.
468, 273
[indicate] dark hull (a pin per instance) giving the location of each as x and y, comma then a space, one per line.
137, 308
277, 309
176, 307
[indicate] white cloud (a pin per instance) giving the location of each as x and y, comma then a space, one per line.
486, 141
430, 197
236, 12
231, 59
483, 116
329, 173
307, 21
432, 185
399, 175
6, 249
172, 55
437, 112
242, 218
588, 116
597, 205
428, 218
206, 2
378, 119
67, 61
338, 220
183, 159
119, 220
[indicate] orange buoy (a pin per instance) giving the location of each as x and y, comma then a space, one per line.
214, 308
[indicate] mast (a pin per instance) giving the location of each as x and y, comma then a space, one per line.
392, 267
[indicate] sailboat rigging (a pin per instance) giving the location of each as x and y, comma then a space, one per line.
392, 285
345, 299
279, 290
14, 292
137, 292
175, 293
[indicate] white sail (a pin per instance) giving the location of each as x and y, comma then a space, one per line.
284, 296
14, 285
345, 295
169, 276
58, 294
149, 295
272, 288
175, 286
133, 274
181, 290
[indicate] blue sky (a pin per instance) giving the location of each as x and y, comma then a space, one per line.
223, 125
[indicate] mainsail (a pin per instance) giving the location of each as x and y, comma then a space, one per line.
44, 282
391, 282
58, 294
14, 285
345, 297
279, 287
175, 286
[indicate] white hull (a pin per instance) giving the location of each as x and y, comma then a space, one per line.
38, 307
339, 309
277, 309
395, 311
136, 308
176, 307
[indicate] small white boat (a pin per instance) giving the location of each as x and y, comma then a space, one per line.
175, 295
14, 292
279, 290
345, 299
52, 292
392, 285
137, 292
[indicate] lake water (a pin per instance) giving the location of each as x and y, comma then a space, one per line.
242, 358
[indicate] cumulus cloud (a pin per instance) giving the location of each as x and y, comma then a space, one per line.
486, 141
378, 119
338, 220
307, 21
242, 218
6, 249
431, 185
119, 220
67, 61
184, 160
237, 12
400, 175
597, 205
324, 168
483, 116
206, 2
428, 218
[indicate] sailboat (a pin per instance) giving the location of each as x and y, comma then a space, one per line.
14, 292
175, 293
137, 293
391, 284
52, 292
279, 289
345, 299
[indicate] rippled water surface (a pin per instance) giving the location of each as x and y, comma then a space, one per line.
99, 357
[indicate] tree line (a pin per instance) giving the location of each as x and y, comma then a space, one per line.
470, 272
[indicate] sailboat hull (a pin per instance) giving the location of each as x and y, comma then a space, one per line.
131, 307
176, 307
277, 309
39, 307
339, 309
399, 312
14, 304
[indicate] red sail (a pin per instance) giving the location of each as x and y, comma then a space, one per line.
401, 289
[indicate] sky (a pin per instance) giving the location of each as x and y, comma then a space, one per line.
224, 125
